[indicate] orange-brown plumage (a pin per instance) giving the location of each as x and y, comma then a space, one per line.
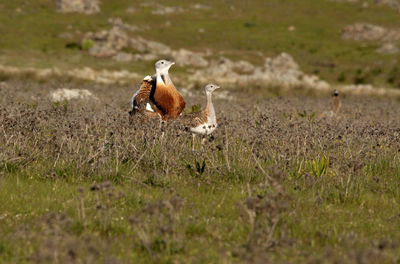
142, 102
143, 95
159, 94
168, 100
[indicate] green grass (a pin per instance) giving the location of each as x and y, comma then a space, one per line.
31, 37
58, 196
210, 227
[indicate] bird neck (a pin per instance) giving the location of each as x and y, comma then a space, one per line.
209, 100
163, 76
210, 107
163, 71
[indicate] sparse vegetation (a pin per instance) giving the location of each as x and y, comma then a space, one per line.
279, 181
79, 184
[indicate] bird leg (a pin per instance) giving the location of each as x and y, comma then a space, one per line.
193, 141
203, 141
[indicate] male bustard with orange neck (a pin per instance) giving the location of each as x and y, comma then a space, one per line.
205, 121
158, 94
166, 96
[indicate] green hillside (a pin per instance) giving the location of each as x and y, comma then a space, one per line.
235, 29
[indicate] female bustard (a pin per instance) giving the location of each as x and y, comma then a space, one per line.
203, 122
158, 94
336, 103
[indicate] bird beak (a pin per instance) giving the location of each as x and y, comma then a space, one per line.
217, 87
169, 65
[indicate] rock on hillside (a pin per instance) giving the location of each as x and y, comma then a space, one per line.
388, 48
69, 94
363, 31
116, 21
183, 57
112, 42
106, 43
370, 32
79, 6
165, 10
280, 71
86, 73
394, 4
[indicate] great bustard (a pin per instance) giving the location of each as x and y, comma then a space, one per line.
203, 122
143, 108
158, 94
336, 102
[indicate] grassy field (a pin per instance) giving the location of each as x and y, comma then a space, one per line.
276, 183
235, 29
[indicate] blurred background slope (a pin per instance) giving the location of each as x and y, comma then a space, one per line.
340, 42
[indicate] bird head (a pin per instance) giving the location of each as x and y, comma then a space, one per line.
336, 93
211, 88
162, 66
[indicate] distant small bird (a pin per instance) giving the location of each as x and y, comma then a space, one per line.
158, 94
336, 102
205, 121
336, 105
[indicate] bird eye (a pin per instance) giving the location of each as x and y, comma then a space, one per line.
162, 62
